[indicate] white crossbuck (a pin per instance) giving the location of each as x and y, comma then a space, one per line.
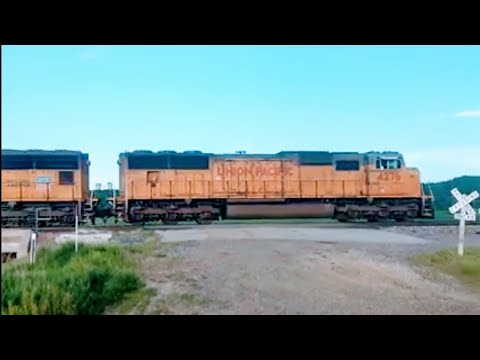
463, 204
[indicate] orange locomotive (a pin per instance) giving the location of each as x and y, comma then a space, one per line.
174, 187
51, 185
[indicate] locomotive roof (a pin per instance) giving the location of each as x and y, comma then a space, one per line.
281, 154
45, 153
35, 152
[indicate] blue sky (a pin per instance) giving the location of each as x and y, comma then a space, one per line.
423, 101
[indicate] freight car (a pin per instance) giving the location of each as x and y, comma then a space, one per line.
172, 187
51, 185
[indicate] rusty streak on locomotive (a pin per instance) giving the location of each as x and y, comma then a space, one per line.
170, 187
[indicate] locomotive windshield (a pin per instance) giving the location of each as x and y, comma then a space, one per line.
389, 163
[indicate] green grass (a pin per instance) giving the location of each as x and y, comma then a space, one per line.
190, 299
189, 303
150, 247
442, 215
466, 268
63, 282
136, 302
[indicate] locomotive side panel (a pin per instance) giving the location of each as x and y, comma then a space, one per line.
135, 184
316, 181
44, 175
395, 183
165, 184
254, 178
153, 176
42, 185
328, 175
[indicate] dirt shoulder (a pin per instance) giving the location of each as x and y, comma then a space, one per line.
257, 271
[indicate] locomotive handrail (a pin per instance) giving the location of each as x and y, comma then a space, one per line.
171, 189
37, 219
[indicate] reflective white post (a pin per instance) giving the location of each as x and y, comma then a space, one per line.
461, 233
76, 232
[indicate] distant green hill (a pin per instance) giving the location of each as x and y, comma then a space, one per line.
441, 190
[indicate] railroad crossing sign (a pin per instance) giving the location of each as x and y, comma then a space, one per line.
463, 204
467, 213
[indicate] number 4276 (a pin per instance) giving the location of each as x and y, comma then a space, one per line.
389, 176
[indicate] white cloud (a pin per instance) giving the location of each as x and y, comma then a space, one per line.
445, 163
469, 113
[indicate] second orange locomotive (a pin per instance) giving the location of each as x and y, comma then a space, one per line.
172, 187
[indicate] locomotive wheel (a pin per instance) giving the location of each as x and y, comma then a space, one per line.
134, 217
170, 219
342, 217
67, 220
204, 218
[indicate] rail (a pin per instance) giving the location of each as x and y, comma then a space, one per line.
278, 222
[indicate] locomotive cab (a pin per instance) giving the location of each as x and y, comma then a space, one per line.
392, 162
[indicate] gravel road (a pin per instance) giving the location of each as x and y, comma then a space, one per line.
302, 270
294, 269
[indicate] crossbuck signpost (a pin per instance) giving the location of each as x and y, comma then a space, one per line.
467, 213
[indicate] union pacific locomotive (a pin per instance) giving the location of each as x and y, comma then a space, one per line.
193, 186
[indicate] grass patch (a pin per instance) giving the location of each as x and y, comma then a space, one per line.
136, 302
186, 299
162, 309
466, 268
180, 303
192, 299
151, 247
63, 282
442, 215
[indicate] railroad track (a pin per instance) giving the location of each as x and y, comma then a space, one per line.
286, 223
